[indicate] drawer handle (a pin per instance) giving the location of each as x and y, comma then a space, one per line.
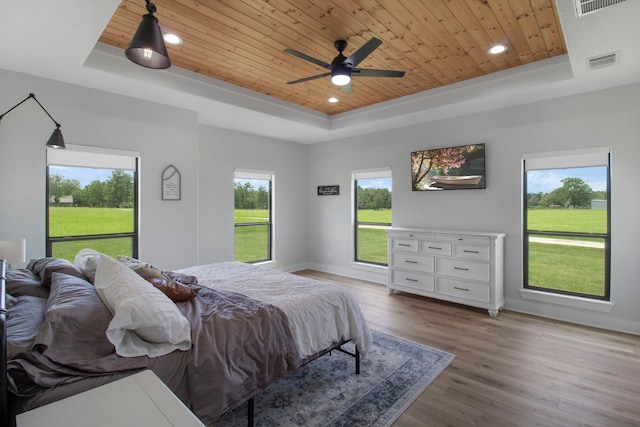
403, 244
410, 280
460, 268
471, 252
410, 262
461, 289
435, 247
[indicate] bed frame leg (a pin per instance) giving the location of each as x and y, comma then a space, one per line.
357, 362
250, 404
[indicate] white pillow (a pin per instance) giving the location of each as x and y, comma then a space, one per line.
87, 261
145, 321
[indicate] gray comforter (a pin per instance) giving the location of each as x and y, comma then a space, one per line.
240, 345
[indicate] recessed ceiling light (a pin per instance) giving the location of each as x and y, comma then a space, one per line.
332, 100
172, 38
496, 49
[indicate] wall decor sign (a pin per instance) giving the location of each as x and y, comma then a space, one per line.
328, 190
171, 183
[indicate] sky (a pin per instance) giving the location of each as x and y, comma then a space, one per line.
375, 183
544, 181
539, 181
83, 175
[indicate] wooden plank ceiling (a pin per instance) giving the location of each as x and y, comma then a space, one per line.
436, 42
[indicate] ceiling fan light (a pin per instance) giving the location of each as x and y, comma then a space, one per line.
340, 79
147, 47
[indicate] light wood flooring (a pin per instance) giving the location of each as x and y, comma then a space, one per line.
512, 370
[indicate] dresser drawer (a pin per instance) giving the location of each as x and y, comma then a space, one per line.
466, 269
480, 240
405, 245
458, 288
473, 252
406, 261
419, 281
435, 248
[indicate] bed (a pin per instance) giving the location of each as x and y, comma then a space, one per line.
71, 327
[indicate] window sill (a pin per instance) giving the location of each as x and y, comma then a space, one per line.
567, 300
374, 268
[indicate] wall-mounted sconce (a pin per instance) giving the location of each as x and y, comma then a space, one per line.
55, 140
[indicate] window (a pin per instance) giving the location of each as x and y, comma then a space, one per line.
566, 223
253, 215
92, 201
372, 215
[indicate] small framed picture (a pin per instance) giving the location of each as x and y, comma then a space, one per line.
328, 190
171, 183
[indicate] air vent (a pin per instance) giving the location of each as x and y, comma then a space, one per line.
603, 60
584, 7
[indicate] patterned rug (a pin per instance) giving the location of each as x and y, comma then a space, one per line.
327, 392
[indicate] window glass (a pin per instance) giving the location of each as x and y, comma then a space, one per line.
566, 226
92, 206
252, 216
372, 215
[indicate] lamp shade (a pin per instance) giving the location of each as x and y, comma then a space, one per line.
147, 47
13, 251
56, 140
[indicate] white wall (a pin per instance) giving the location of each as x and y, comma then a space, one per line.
162, 135
605, 118
316, 231
221, 152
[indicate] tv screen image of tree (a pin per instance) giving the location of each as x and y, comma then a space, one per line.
451, 168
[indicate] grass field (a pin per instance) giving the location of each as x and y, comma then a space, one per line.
65, 221
571, 268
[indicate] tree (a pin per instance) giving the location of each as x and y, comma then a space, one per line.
577, 192
60, 187
119, 190
94, 194
374, 198
574, 193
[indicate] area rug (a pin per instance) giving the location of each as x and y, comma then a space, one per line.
326, 392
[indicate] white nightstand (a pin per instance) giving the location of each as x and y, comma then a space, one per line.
139, 400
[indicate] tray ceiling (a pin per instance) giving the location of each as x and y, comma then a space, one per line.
437, 42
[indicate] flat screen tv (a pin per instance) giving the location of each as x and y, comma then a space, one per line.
451, 168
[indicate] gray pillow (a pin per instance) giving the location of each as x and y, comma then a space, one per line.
73, 332
45, 267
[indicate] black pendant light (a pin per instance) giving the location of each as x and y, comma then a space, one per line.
55, 140
147, 47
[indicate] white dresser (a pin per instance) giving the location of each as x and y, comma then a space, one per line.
465, 267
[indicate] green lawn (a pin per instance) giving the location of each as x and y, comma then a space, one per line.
571, 268
68, 221
574, 220
567, 267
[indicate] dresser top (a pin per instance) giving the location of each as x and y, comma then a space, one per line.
445, 231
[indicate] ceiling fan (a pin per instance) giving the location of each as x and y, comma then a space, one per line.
342, 69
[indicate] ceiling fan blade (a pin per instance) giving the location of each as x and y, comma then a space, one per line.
306, 79
368, 72
308, 58
347, 89
364, 51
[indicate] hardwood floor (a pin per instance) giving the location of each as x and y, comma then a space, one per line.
512, 370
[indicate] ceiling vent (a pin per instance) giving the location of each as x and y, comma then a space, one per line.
603, 60
584, 7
